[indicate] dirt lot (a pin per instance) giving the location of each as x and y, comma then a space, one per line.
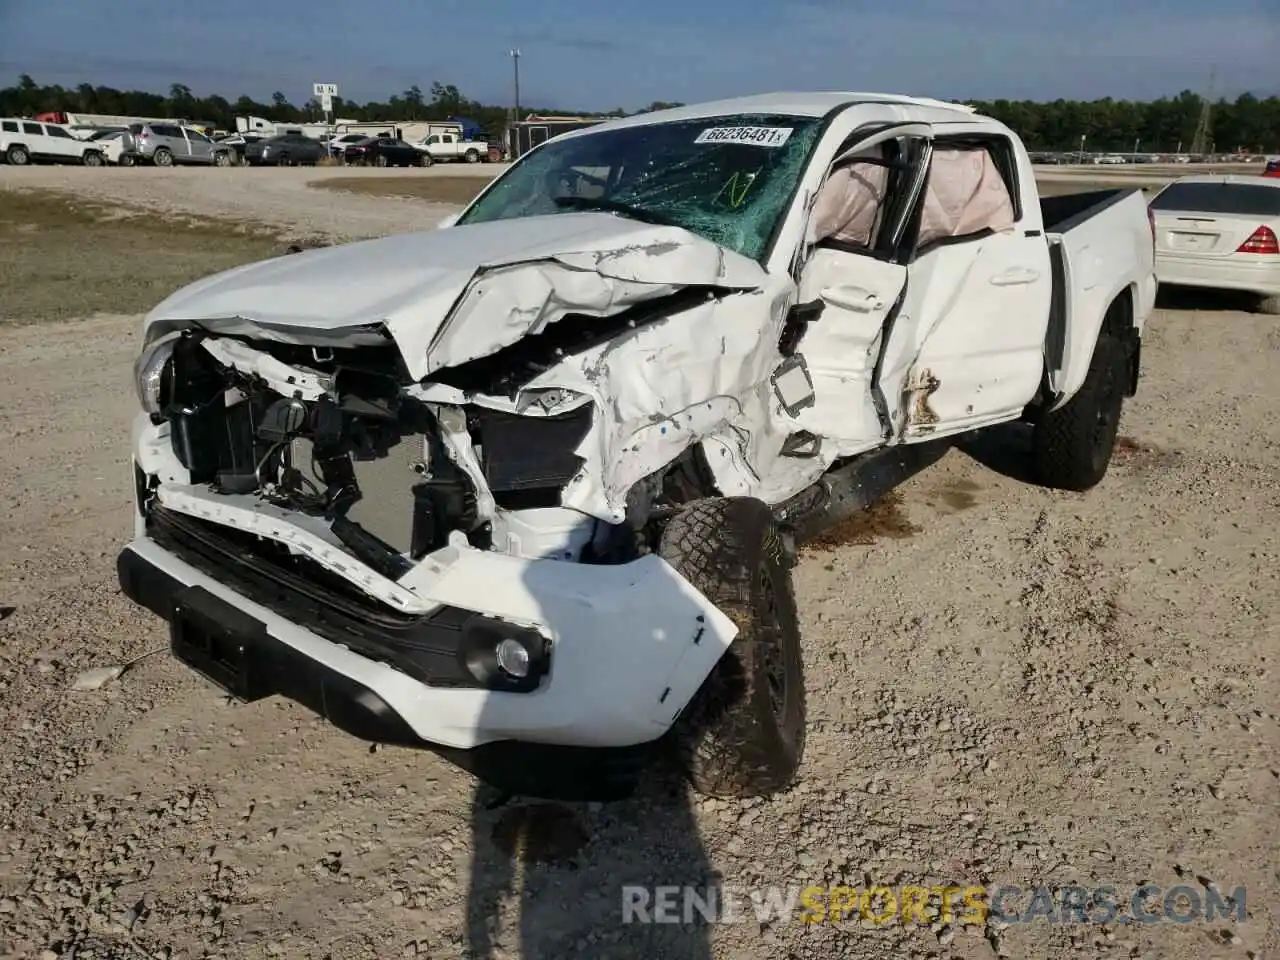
1007, 685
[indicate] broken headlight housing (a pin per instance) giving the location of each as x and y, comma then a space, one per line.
149, 374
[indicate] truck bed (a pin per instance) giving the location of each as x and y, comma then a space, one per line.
1072, 209
1099, 246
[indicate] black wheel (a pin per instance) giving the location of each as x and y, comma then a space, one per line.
1073, 444
381, 160
743, 734
17, 155
162, 158
126, 160
284, 160
222, 159
1269, 305
427, 159
92, 159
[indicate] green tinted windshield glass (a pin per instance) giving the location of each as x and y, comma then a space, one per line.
728, 179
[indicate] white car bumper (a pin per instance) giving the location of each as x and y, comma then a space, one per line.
1261, 276
628, 645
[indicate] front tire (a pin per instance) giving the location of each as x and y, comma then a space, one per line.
92, 159
222, 159
18, 156
743, 733
1073, 444
380, 160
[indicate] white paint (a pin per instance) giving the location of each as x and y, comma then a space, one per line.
409, 284
971, 315
623, 637
752, 136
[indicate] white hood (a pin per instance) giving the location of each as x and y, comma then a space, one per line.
493, 283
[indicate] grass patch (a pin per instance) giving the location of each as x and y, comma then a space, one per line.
62, 259
453, 190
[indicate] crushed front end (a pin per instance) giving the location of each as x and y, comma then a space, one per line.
312, 524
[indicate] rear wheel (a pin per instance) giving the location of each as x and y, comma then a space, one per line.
284, 160
162, 158
743, 734
1269, 305
222, 159
126, 160
1073, 444
381, 160
93, 159
473, 156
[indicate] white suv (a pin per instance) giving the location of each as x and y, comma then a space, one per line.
22, 141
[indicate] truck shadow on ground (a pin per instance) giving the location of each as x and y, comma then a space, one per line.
549, 879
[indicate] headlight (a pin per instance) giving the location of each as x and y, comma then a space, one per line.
148, 374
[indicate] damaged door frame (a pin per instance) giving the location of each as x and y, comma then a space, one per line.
895, 241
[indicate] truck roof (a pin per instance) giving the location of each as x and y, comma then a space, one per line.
796, 104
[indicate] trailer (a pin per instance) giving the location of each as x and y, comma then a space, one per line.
524, 135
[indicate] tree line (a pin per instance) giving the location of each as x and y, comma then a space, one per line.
1247, 123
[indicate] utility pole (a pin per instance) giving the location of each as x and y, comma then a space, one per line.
514, 146
515, 60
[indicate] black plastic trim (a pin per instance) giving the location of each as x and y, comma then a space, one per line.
1067, 211
435, 649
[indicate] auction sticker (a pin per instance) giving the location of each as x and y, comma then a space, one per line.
756, 136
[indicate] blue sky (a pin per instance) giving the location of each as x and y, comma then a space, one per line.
584, 55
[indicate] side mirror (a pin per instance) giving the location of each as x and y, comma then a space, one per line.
447, 222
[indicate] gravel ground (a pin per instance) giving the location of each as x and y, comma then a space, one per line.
1006, 685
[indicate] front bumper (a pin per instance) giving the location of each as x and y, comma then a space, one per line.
276, 667
630, 645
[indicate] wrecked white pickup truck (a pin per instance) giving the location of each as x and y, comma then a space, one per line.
526, 489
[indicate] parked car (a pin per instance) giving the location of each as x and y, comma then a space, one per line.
167, 144
384, 152
338, 145
237, 142
1220, 232
26, 141
626, 399
1272, 169
288, 150
116, 145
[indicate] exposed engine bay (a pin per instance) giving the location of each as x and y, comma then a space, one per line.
336, 434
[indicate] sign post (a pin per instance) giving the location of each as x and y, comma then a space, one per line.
325, 92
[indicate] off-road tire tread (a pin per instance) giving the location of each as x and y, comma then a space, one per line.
1064, 438
728, 739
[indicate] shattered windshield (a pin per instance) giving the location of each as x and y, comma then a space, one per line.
727, 179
